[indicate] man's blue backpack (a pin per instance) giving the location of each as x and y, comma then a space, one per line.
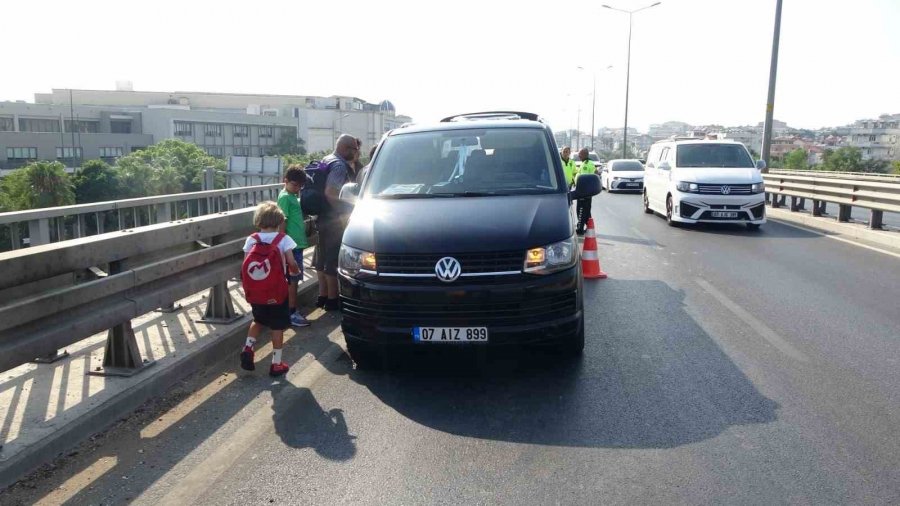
312, 196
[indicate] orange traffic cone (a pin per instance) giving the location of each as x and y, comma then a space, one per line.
590, 262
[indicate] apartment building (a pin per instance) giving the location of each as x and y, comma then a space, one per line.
877, 139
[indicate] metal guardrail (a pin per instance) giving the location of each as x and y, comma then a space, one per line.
124, 274
54, 224
849, 191
868, 176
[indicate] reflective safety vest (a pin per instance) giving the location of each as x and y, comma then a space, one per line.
587, 167
569, 171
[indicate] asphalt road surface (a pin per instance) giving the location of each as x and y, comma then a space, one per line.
722, 366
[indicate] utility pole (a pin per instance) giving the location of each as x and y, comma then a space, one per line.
770, 102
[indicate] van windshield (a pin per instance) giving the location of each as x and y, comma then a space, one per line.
713, 155
500, 161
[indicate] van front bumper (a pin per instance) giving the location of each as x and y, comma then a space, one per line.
692, 208
524, 310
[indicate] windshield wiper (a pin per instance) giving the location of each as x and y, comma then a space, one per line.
400, 196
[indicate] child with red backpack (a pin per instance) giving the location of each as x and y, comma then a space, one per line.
268, 260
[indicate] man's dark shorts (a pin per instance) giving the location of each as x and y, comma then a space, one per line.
275, 316
327, 249
298, 257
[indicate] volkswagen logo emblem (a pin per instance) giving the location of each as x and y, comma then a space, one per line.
726, 190
448, 269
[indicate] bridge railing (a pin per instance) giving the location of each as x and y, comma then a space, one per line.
54, 224
54, 295
864, 176
879, 194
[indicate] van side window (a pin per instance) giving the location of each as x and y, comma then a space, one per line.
653, 156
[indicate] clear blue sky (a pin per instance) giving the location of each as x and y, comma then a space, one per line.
700, 61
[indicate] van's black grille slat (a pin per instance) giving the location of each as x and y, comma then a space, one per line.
537, 309
472, 263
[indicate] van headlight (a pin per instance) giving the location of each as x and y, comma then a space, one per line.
758, 187
684, 186
352, 261
552, 258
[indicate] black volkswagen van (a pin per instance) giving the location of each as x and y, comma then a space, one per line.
463, 234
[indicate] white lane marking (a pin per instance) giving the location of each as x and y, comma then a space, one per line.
205, 474
764, 331
842, 239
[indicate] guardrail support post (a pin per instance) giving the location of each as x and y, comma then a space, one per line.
219, 306
122, 357
164, 212
875, 221
14, 236
843, 212
794, 204
39, 232
816, 210
801, 205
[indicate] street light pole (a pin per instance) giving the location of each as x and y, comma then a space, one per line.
628, 72
770, 102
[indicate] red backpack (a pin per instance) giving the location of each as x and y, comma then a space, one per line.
263, 273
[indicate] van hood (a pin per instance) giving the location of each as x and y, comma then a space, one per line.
717, 175
459, 224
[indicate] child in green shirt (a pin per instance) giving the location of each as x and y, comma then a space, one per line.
295, 228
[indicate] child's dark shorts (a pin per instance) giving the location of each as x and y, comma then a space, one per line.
275, 316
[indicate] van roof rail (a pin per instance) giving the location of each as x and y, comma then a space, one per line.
493, 115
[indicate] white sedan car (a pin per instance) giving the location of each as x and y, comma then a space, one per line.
622, 175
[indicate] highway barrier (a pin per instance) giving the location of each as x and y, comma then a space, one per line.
878, 193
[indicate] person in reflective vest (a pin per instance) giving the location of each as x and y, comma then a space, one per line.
584, 205
568, 166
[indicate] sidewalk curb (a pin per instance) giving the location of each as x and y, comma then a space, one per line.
156, 382
829, 226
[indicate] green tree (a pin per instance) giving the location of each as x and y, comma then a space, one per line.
96, 181
796, 160
846, 159
876, 166
171, 166
895, 167
288, 144
37, 185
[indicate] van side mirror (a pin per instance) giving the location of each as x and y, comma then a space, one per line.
664, 166
586, 185
761, 164
349, 193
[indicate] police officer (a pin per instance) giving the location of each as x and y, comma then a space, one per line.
568, 166
584, 205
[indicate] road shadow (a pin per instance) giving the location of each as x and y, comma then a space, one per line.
771, 230
301, 422
651, 377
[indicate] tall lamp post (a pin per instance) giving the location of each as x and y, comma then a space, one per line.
770, 103
334, 127
593, 103
628, 72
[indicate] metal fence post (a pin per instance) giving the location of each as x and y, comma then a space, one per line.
164, 212
14, 236
121, 357
875, 220
775, 201
219, 306
816, 210
843, 212
794, 205
39, 232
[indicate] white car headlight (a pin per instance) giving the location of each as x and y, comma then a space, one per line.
352, 261
758, 187
552, 258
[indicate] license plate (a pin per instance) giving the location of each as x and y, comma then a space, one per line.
635, 185
450, 334
724, 214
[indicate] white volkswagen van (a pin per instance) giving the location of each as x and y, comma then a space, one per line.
704, 181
